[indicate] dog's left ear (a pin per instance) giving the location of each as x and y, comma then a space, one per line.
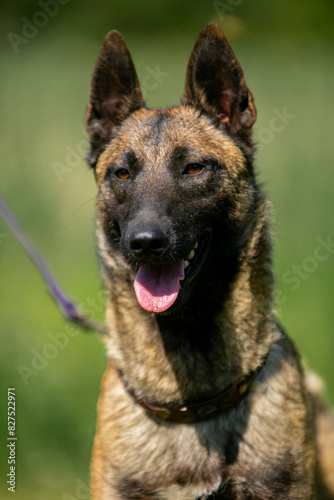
114, 94
215, 82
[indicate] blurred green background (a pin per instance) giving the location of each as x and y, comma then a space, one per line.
48, 49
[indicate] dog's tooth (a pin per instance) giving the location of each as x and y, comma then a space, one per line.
196, 245
191, 255
186, 264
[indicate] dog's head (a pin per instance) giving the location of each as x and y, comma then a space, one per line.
175, 185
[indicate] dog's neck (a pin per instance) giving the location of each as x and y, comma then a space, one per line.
203, 348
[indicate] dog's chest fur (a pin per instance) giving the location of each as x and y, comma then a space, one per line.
238, 453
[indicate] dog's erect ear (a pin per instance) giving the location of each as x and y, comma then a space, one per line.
114, 94
215, 82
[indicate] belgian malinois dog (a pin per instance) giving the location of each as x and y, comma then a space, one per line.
204, 396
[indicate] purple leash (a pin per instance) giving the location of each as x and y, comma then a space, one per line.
67, 307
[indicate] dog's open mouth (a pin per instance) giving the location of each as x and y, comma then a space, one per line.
158, 287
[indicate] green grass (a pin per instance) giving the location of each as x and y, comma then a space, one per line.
43, 102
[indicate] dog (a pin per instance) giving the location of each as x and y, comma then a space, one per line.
204, 396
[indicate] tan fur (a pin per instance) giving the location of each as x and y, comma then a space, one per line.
265, 447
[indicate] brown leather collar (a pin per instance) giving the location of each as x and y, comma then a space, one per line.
193, 413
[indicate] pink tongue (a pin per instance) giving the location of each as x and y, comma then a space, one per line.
157, 287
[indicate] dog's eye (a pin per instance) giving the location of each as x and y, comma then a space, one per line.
193, 169
122, 173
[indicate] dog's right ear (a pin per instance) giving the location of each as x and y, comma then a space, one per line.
114, 93
216, 84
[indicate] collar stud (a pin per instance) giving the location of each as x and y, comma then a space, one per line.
164, 413
242, 388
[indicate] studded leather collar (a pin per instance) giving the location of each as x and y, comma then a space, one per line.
196, 412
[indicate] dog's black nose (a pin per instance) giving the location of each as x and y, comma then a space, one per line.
148, 243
